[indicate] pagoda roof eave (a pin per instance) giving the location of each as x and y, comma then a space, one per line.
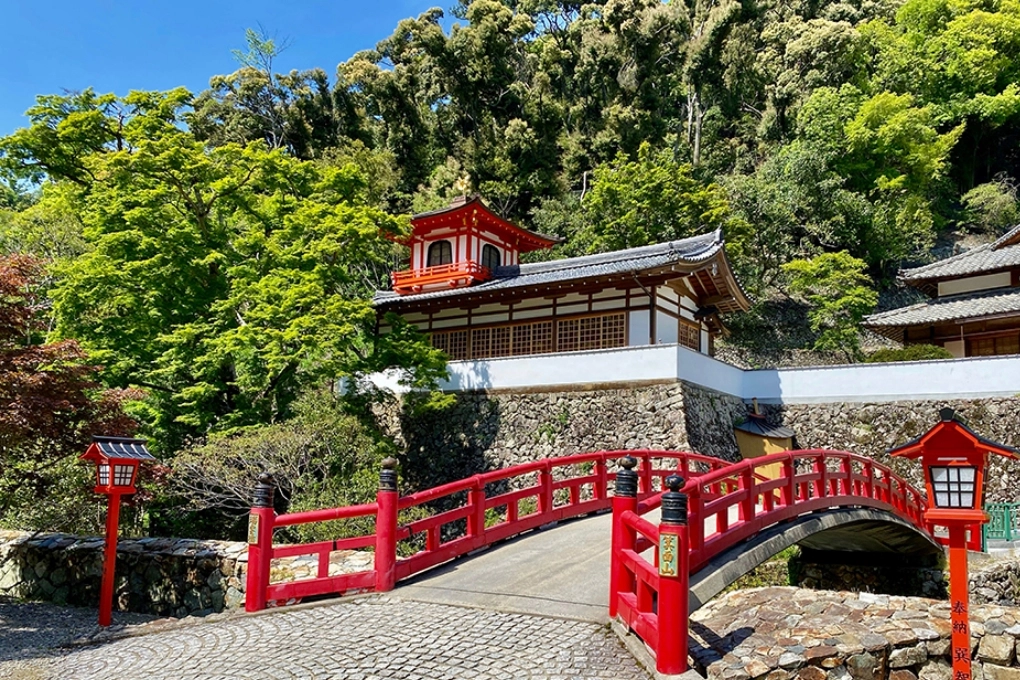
527, 241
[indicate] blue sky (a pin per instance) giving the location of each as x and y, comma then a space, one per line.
122, 45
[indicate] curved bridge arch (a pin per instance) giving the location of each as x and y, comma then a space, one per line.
841, 529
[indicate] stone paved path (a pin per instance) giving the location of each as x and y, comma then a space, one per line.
362, 639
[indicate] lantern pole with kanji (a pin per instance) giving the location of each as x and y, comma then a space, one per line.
955, 460
117, 460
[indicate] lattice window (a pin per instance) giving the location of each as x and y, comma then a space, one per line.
568, 335
454, 343
690, 336
1003, 344
1007, 344
440, 252
614, 330
490, 342
533, 338
490, 256
592, 332
584, 333
500, 342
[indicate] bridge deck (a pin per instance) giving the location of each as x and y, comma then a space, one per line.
562, 571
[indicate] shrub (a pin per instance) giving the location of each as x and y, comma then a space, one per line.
909, 353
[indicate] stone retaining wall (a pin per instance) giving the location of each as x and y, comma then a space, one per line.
785, 633
168, 577
486, 431
890, 576
997, 582
872, 429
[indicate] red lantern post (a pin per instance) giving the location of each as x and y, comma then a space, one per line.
117, 460
954, 460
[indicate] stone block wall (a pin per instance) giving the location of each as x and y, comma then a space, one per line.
168, 577
997, 582
789, 633
892, 578
487, 431
873, 429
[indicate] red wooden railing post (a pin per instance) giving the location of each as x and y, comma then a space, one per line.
260, 544
476, 520
671, 656
645, 473
386, 527
624, 499
545, 493
820, 470
846, 485
601, 479
788, 491
746, 511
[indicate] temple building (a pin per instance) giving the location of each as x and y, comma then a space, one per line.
975, 309
467, 290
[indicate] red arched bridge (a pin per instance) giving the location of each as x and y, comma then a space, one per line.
661, 569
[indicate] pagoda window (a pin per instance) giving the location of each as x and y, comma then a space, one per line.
440, 252
490, 257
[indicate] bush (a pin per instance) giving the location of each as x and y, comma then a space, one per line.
322, 458
909, 353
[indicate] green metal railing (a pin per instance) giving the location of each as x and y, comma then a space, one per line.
1003, 522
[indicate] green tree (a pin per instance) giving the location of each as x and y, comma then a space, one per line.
650, 200
839, 291
222, 280
297, 111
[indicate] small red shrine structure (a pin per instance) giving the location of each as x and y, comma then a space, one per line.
955, 460
462, 244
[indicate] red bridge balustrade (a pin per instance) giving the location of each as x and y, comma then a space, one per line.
725, 506
484, 509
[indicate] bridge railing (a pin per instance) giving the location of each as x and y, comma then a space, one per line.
724, 507
449, 520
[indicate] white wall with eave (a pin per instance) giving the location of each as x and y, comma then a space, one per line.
976, 377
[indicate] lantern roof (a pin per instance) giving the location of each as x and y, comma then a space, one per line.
117, 448
951, 433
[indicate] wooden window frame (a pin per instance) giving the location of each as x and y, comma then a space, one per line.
439, 244
487, 341
489, 248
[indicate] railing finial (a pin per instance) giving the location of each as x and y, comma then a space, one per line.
674, 503
626, 478
388, 474
265, 489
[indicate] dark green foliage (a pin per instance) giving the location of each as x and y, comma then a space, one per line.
322, 457
909, 353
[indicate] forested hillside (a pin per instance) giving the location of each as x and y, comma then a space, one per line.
218, 249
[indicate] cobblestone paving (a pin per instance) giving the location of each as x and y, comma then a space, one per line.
363, 639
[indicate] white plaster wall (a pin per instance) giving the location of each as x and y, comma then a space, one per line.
666, 332
900, 381
975, 377
567, 368
640, 329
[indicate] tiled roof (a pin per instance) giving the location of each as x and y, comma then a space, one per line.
684, 251
952, 308
757, 425
1005, 252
